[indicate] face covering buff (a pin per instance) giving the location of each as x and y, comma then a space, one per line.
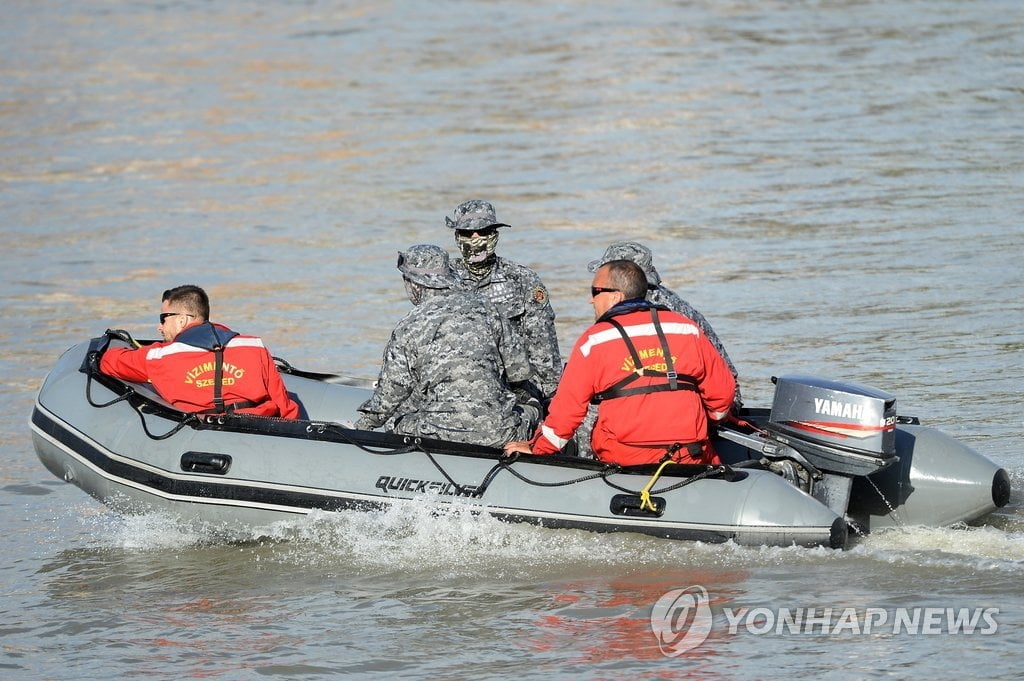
478, 252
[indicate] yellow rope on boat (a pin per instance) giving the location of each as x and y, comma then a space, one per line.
645, 494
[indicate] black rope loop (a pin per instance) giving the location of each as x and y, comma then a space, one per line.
458, 488
599, 474
88, 395
172, 431
503, 464
709, 472
129, 392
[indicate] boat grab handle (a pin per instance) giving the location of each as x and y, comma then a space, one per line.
205, 462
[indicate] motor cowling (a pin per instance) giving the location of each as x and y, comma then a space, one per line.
838, 427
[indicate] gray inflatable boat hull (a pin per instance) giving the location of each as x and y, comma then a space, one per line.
136, 456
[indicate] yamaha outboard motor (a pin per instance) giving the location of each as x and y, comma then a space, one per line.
833, 431
839, 427
844, 444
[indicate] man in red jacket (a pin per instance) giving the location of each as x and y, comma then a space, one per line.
656, 378
202, 366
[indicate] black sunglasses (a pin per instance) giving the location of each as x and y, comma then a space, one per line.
483, 231
165, 315
595, 291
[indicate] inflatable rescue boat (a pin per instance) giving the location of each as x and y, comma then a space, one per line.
828, 460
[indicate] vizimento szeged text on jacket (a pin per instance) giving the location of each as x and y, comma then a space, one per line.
183, 371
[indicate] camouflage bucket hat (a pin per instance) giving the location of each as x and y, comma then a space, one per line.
629, 250
427, 265
474, 216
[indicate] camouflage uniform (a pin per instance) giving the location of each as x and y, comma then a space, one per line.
514, 289
446, 370
517, 291
659, 295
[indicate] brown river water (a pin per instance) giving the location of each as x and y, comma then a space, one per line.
837, 186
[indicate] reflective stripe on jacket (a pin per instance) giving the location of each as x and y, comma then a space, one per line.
184, 374
639, 428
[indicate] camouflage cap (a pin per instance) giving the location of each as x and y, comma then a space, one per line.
629, 250
474, 215
427, 265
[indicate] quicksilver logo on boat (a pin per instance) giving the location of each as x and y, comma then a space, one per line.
390, 483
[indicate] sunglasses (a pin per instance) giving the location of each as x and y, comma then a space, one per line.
468, 233
164, 315
595, 291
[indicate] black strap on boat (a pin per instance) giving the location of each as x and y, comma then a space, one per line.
675, 381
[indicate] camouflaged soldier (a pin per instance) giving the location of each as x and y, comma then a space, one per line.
448, 366
515, 289
659, 295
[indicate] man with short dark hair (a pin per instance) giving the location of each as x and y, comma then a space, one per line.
658, 294
655, 376
201, 366
451, 364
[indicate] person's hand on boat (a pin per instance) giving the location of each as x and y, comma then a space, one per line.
518, 446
